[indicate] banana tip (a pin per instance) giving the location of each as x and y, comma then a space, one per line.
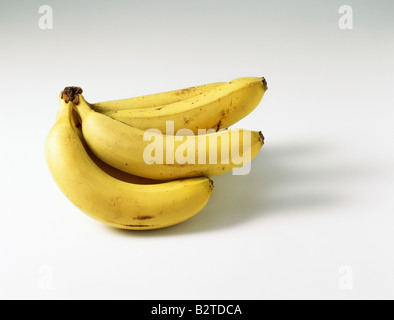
261, 136
265, 86
211, 184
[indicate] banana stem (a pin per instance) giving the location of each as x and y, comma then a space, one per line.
71, 94
74, 95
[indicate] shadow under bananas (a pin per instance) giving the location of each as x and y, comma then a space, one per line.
278, 181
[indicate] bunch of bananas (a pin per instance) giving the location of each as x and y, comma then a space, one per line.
145, 162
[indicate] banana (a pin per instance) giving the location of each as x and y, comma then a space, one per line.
118, 174
217, 108
131, 149
112, 201
154, 100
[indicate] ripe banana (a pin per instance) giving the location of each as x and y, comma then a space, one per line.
129, 149
154, 100
117, 174
112, 201
217, 108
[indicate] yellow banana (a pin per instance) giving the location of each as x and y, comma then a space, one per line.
116, 173
132, 150
154, 100
112, 201
217, 108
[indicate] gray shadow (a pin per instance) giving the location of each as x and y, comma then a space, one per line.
237, 199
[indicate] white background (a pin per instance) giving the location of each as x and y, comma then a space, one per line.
313, 220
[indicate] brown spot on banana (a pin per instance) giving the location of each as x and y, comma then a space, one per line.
143, 217
186, 121
138, 225
218, 125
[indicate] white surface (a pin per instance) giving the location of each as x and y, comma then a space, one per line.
319, 196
